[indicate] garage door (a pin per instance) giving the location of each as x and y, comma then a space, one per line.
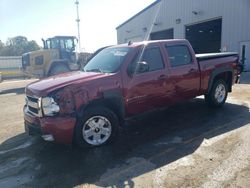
205, 37
245, 54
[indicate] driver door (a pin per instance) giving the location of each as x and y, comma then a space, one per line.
147, 90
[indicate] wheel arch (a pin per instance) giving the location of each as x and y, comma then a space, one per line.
224, 73
112, 100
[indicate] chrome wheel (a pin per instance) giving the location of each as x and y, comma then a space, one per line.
220, 93
96, 130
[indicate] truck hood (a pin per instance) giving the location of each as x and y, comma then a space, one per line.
44, 86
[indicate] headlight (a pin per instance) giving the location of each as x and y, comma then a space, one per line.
49, 106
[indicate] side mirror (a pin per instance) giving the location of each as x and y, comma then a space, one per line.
73, 49
139, 67
142, 67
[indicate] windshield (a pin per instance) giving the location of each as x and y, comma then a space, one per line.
107, 61
54, 43
60, 43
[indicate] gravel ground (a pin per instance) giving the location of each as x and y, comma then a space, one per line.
187, 145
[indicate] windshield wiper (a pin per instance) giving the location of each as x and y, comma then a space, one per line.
94, 70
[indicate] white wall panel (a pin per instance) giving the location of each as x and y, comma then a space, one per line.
235, 16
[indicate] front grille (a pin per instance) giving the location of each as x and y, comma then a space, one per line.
33, 105
34, 110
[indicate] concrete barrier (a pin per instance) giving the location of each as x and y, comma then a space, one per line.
10, 67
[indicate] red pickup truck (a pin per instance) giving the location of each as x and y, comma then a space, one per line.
122, 81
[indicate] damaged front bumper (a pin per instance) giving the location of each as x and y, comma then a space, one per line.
57, 129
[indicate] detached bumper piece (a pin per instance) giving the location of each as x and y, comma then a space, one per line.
48, 137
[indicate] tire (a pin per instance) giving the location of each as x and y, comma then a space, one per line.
218, 94
97, 127
57, 69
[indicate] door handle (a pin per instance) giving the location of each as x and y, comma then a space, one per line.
162, 77
192, 70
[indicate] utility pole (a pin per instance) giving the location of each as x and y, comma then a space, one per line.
78, 25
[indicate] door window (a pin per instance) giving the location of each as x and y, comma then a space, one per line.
179, 55
152, 56
69, 45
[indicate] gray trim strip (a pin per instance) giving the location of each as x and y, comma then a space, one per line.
208, 56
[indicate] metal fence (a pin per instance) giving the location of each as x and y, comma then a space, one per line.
10, 67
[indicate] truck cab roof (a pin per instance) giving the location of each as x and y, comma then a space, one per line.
135, 44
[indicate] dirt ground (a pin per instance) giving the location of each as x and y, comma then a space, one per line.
187, 145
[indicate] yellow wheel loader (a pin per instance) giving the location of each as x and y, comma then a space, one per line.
57, 56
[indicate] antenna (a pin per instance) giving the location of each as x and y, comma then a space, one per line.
78, 25
130, 43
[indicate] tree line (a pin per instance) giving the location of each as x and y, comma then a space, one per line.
17, 46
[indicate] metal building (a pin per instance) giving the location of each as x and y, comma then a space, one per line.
209, 25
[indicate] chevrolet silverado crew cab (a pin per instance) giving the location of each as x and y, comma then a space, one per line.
122, 81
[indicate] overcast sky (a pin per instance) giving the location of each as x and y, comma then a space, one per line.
36, 19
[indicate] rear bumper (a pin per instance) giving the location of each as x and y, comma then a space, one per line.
60, 128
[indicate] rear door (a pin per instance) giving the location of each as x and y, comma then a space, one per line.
184, 71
